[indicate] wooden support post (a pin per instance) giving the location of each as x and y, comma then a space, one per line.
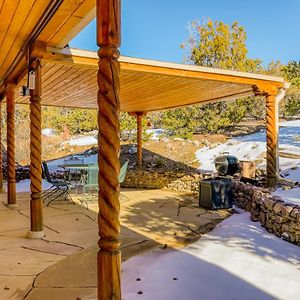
11, 171
109, 256
270, 92
139, 119
36, 205
1, 157
272, 138
139, 137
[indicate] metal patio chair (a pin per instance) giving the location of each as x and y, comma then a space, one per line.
59, 187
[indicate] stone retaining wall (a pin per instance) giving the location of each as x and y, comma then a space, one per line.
157, 180
277, 217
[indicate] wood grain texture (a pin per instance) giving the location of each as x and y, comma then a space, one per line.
11, 171
1, 157
36, 205
18, 19
139, 119
109, 262
272, 139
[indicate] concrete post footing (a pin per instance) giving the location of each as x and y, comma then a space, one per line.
13, 206
35, 234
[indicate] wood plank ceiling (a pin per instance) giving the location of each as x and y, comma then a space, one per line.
70, 80
54, 22
69, 77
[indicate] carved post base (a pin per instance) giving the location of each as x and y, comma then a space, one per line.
11, 192
36, 208
108, 275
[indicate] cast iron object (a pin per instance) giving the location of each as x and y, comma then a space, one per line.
226, 165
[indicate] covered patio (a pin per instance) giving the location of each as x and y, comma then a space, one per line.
33, 39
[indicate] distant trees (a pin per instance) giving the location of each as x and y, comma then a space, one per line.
211, 44
292, 100
216, 45
74, 120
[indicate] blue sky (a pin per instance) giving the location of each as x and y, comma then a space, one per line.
154, 29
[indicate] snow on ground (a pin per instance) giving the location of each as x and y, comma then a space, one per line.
155, 133
295, 123
289, 196
48, 132
83, 141
242, 150
24, 185
237, 260
252, 147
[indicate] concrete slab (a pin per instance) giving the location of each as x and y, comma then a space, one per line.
73, 222
21, 261
15, 287
16, 220
63, 294
83, 238
64, 262
78, 270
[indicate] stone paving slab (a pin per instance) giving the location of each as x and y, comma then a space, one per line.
21, 261
62, 266
74, 222
17, 222
82, 238
77, 270
63, 294
15, 287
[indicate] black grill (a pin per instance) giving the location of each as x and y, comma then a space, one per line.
226, 165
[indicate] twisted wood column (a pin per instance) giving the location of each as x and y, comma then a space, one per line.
109, 257
139, 118
1, 157
11, 171
272, 138
36, 206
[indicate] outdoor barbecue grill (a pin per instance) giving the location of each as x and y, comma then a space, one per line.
216, 193
226, 165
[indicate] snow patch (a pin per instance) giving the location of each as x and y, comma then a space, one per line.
237, 260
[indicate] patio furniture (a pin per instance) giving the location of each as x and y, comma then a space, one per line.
91, 186
72, 172
59, 188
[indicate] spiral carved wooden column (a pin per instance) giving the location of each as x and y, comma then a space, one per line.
109, 257
1, 158
139, 118
272, 138
11, 171
36, 206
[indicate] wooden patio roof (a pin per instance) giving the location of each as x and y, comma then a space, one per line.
69, 75
53, 22
69, 79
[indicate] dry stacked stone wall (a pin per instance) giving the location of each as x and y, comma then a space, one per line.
278, 217
181, 182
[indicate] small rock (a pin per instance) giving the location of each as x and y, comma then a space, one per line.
138, 279
140, 292
132, 150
